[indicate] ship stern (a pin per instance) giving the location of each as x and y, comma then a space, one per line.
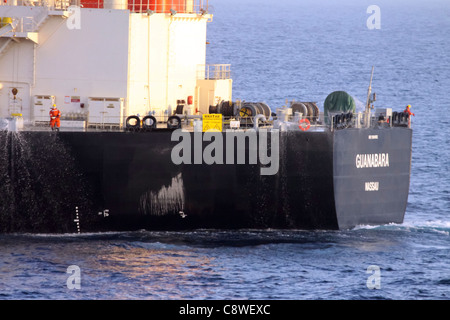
371, 175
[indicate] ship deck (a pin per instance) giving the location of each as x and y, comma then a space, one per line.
197, 123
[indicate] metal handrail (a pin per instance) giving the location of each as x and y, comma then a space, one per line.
214, 71
284, 123
361, 120
135, 6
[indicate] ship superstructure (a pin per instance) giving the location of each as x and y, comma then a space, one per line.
101, 61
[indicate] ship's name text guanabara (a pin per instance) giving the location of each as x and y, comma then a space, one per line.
372, 160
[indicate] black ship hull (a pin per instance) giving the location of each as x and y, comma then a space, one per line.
101, 181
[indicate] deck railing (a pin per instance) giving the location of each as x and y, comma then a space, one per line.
214, 72
187, 122
338, 121
168, 6
136, 6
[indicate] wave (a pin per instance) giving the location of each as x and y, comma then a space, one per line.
248, 237
64, 236
437, 226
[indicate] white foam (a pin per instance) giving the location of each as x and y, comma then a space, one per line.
4, 124
438, 226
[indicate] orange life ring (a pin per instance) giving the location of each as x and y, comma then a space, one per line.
302, 126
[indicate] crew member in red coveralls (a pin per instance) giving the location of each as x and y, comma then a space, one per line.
55, 116
408, 111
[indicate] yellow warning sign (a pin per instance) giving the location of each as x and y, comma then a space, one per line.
212, 122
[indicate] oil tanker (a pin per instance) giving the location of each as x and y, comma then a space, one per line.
151, 138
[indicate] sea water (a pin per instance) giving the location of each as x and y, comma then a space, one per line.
280, 50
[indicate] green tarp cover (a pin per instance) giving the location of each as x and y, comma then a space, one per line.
338, 102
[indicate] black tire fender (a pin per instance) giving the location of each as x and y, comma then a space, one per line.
174, 122
152, 124
135, 126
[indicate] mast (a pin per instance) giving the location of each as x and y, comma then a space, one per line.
367, 111
369, 91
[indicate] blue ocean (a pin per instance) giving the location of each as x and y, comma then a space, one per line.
283, 50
